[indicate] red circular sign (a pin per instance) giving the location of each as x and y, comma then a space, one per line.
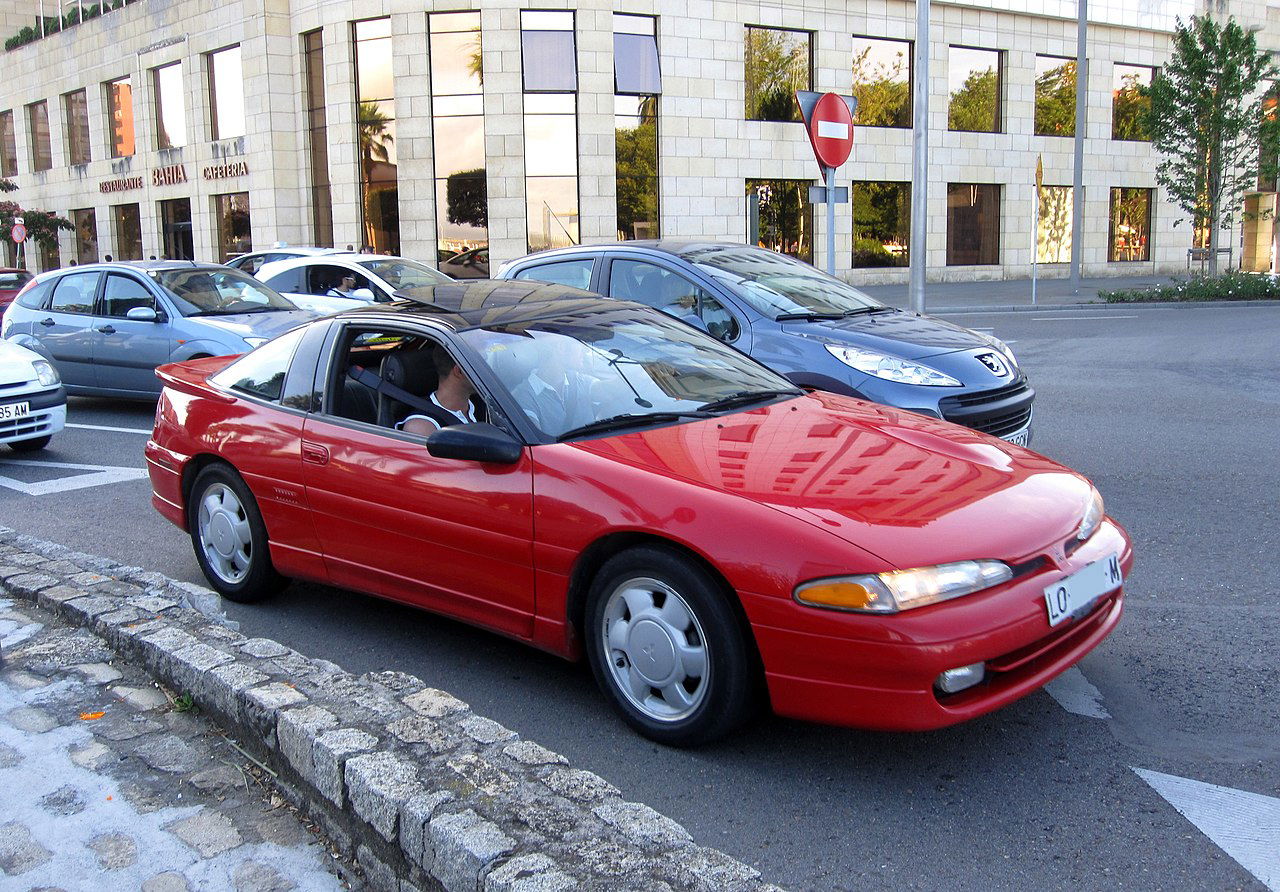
831, 130
19, 232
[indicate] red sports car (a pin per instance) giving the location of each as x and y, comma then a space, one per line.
11, 282
593, 477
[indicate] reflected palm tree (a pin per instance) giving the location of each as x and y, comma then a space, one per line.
376, 141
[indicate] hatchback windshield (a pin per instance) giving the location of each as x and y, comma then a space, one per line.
13, 281
399, 273
779, 286
218, 292
611, 369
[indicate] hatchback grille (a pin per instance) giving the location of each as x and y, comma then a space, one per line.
999, 412
981, 397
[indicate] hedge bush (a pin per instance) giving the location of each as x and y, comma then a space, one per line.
1233, 285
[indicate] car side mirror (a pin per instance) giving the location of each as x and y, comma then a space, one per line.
363, 294
143, 314
475, 442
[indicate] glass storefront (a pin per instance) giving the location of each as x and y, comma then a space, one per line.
231, 217
175, 230
128, 231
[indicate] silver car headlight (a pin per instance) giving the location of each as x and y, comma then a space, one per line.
255, 342
890, 368
1093, 514
1005, 350
46, 374
902, 589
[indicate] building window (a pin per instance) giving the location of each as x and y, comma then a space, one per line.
1130, 101
128, 231
1053, 234
175, 230
50, 256
318, 137
882, 82
231, 217
457, 117
75, 108
973, 81
777, 63
226, 93
881, 223
1055, 96
784, 217
171, 106
376, 136
973, 224
8, 146
38, 127
637, 80
1130, 225
85, 221
550, 128
120, 117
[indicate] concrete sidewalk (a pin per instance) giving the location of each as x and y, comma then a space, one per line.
941, 297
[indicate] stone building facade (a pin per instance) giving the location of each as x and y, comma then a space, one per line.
278, 99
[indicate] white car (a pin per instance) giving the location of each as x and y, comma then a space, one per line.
312, 282
253, 261
33, 403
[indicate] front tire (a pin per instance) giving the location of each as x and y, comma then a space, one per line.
666, 647
229, 537
31, 445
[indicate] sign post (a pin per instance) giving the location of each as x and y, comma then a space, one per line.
1035, 226
828, 119
19, 235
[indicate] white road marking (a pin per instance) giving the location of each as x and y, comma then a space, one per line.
99, 475
106, 427
1244, 825
1074, 318
1077, 695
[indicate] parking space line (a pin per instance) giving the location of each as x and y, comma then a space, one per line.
1074, 318
93, 475
1077, 695
106, 427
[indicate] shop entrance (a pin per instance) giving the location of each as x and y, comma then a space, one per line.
175, 229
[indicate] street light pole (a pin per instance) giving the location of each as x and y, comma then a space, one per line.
920, 159
1077, 183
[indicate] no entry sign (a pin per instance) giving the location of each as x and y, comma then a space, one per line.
19, 232
828, 118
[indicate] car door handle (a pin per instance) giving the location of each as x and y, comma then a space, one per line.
107, 329
315, 454
46, 322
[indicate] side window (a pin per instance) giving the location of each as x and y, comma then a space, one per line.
720, 323
287, 282
673, 294
74, 293
34, 299
322, 278
124, 293
261, 372
575, 273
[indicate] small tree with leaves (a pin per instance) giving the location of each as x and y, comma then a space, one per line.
42, 226
1207, 123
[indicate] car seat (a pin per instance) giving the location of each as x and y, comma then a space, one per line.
411, 370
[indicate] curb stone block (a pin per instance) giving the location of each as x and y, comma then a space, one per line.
377, 785
707, 869
642, 824
330, 755
578, 785
261, 704
85, 610
262, 648
527, 752
483, 775
434, 703
464, 844
415, 814
486, 731
528, 873
222, 687
419, 729
190, 664
51, 599
296, 731
29, 584
380, 875
106, 622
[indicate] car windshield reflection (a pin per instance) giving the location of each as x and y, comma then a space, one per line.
218, 292
609, 371
400, 273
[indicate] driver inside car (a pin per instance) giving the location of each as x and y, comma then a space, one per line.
453, 395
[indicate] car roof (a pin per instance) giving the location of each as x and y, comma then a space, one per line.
15, 269
141, 266
469, 303
673, 247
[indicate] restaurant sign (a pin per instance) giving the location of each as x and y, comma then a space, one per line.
226, 171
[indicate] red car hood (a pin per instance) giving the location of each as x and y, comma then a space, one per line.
912, 490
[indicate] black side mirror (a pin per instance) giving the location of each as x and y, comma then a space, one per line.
475, 442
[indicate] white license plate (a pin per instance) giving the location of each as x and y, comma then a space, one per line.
1019, 438
14, 410
1077, 592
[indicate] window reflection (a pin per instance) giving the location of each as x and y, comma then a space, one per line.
226, 88
1130, 101
120, 117
636, 142
973, 224
1130, 225
550, 129
457, 105
552, 212
85, 221
318, 136
76, 108
376, 135
38, 124
777, 63
1055, 96
128, 225
231, 215
8, 146
171, 107
785, 217
973, 81
1053, 237
882, 82
881, 224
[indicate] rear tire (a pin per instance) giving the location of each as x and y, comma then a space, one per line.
31, 445
667, 648
229, 537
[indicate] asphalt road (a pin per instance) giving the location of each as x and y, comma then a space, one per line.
1172, 412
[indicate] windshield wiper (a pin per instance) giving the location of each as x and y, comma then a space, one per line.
745, 398
815, 317
625, 420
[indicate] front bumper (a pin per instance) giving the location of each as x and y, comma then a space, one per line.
48, 415
878, 672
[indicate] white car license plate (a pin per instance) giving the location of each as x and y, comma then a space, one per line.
14, 410
1019, 438
1077, 592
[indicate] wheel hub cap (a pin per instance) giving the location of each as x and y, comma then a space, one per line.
222, 534
652, 652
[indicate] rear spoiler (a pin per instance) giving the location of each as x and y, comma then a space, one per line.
192, 376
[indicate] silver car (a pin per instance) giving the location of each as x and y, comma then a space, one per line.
106, 326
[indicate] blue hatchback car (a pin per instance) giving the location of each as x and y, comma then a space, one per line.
817, 330
106, 326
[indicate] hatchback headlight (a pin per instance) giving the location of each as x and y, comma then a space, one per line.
46, 374
890, 368
902, 589
255, 342
1093, 514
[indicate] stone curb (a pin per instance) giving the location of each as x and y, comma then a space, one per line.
1099, 304
421, 791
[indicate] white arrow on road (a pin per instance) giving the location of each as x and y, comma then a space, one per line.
91, 475
1244, 825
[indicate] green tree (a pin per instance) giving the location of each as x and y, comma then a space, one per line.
637, 158
1130, 109
1056, 100
42, 226
974, 106
468, 198
1207, 122
883, 91
777, 64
